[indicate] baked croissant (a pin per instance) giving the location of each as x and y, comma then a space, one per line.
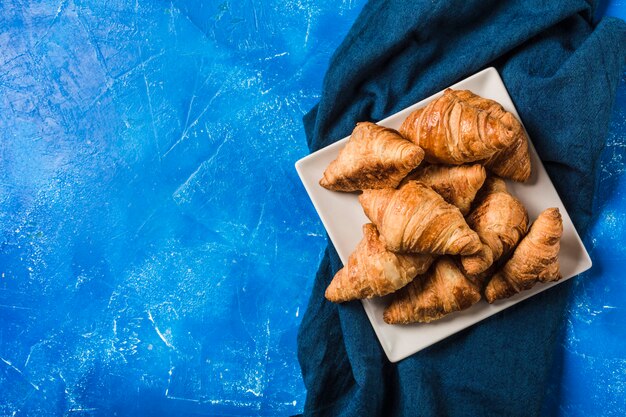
374, 157
374, 271
535, 259
451, 131
500, 221
414, 218
457, 185
514, 161
429, 297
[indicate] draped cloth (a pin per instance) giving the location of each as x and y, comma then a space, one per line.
561, 69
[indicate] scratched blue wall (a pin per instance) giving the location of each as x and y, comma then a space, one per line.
156, 247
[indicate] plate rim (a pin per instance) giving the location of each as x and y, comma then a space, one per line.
393, 354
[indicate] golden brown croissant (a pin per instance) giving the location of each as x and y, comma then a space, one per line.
535, 259
451, 131
500, 221
374, 157
514, 161
414, 218
456, 184
374, 271
429, 297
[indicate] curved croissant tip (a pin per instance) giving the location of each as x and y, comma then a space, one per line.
480, 174
472, 247
364, 124
369, 228
473, 267
490, 293
416, 154
330, 293
327, 293
387, 317
479, 168
553, 211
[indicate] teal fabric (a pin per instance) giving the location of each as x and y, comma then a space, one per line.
562, 70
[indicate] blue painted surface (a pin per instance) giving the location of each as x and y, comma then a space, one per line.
156, 248
590, 372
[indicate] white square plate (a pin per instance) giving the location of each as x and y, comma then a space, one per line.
343, 218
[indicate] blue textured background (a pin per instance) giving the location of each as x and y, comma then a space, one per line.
156, 247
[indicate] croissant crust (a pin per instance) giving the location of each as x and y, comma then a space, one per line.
500, 221
443, 290
452, 131
374, 157
513, 162
457, 185
374, 271
414, 218
534, 260
461, 127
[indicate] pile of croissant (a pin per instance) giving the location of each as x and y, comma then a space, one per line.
444, 230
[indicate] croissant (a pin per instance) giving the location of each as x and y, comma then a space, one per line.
514, 161
414, 218
374, 157
374, 271
429, 297
457, 185
535, 259
451, 131
500, 221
